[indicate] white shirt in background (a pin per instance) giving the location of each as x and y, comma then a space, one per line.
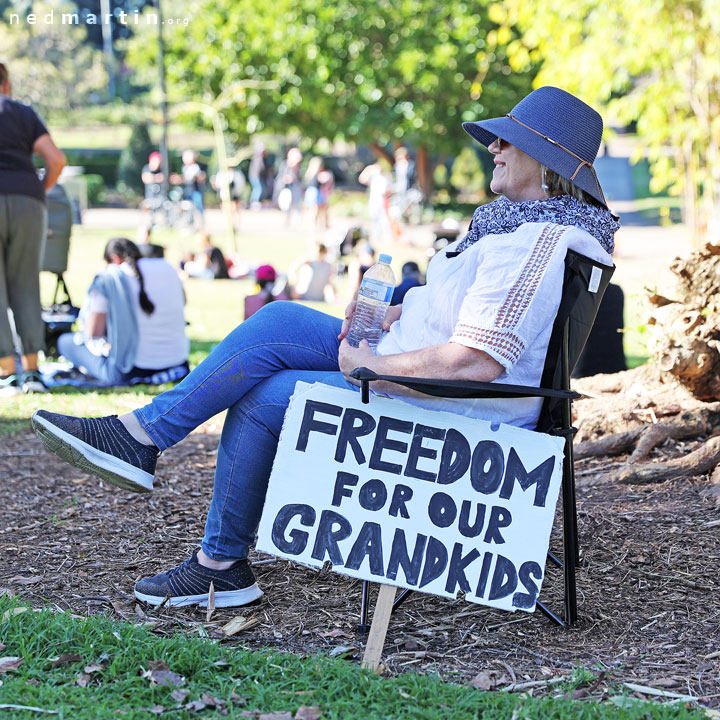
162, 341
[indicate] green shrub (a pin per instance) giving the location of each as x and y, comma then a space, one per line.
95, 186
467, 173
96, 162
134, 157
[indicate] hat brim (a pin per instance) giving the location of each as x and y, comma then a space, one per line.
546, 153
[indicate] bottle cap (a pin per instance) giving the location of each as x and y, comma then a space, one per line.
385, 259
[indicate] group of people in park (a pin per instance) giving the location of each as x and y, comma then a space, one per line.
290, 189
192, 179
485, 314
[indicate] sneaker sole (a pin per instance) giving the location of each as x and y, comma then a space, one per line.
10, 391
90, 459
228, 598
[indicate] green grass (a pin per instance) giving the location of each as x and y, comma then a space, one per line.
213, 309
115, 137
656, 207
635, 334
241, 680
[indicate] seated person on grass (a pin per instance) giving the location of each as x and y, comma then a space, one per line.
267, 291
133, 320
411, 278
209, 263
312, 279
485, 314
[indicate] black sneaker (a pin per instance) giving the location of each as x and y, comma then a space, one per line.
9, 386
189, 584
101, 446
31, 382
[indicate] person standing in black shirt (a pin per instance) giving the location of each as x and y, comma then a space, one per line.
23, 222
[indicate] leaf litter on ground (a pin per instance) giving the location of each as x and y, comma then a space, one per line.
159, 673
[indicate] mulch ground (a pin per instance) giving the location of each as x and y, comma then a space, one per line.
649, 584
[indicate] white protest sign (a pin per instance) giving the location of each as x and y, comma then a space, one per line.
426, 500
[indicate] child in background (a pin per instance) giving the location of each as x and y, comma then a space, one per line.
266, 278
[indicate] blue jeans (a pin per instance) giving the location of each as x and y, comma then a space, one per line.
100, 367
257, 189
251, 374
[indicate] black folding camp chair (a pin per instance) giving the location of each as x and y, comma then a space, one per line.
584, 283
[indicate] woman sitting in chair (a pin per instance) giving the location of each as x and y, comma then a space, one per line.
485, 314
133, 318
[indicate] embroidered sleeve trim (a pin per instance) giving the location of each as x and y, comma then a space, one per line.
521, 293
503, 344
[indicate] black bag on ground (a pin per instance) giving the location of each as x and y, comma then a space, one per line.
59, 317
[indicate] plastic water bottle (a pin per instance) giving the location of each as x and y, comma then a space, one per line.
373, 299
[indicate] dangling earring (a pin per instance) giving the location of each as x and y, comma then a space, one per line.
545, 187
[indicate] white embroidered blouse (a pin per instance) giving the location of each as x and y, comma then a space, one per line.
500, 296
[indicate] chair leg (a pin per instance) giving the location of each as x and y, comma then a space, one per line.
364, 628
570, 537
575, 517
401, 598
549, 613
569, 542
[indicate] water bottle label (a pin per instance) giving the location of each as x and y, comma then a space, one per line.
376, 290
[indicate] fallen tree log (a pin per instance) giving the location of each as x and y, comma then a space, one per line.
703, 460
697, 422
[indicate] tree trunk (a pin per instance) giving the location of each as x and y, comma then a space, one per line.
380, 152
685, 332
424, 171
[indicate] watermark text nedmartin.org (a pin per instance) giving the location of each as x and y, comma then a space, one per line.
88, 18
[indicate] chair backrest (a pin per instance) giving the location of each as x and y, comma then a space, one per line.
584, 284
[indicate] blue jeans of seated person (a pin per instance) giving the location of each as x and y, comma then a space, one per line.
99, 366
251, 373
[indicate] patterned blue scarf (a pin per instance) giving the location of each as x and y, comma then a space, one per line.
505, 216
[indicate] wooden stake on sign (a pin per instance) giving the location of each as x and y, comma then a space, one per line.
378, 629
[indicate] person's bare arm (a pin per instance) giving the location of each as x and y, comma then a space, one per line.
53, 157
152, 177
449, 361
366, 174
96, 324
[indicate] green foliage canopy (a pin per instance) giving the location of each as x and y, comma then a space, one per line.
654, 62
51, 67
134, 157
371, 71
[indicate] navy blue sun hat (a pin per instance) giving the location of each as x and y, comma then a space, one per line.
555, 128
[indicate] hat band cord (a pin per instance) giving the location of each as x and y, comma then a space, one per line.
567, 150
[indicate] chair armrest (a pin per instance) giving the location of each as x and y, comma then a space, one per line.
463, 388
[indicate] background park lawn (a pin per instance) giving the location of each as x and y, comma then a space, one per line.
215, 307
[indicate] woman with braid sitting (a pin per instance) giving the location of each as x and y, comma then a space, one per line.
133, 321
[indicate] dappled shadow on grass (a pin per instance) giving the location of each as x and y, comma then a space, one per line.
15, 412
